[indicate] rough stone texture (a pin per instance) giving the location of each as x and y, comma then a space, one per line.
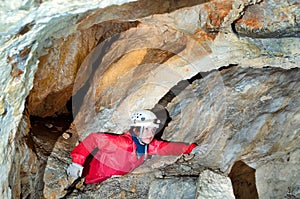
31, 29
173, 188
58, 69
118, 82
270, 19
282, 174
33, 145
33, 32
229, 130
212, 185
227, 101
53, 86
25, 168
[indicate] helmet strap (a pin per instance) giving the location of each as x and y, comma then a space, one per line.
141, 142
139, 139
146, 152
141, 135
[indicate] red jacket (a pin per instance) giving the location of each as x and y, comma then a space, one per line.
116, 154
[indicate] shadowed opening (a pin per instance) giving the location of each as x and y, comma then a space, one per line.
243, 181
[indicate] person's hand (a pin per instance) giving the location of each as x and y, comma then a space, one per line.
201, 150
75, 170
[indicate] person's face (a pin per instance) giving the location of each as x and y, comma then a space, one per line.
148, 134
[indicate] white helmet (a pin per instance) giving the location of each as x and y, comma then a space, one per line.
144, 118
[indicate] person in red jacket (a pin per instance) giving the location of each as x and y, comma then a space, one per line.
120, 154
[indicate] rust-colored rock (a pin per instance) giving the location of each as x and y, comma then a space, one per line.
270, 19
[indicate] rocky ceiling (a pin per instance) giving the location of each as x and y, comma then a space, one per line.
226, 71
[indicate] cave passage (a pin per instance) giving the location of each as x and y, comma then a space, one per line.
45, 131
243, 181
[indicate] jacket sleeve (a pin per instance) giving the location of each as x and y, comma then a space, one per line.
170, 148
84, 148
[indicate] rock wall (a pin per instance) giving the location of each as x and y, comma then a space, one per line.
227, 72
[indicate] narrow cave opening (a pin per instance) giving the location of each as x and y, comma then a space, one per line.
43, 135
243, 181
35, 142
45, 131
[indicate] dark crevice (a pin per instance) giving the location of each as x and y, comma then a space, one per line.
45, 132
243, 181
233, 24
174, 91
43, 136
26, 28
233, 28
174, 176
160, 108
227, 67
30, 143
180, 86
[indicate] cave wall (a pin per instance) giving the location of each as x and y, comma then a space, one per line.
113, 55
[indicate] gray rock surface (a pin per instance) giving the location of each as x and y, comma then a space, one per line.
246, 113
173, 188
212, 185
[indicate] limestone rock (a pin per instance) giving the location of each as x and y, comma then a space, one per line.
221, 110
59, 68
27, 166
173, 53
227, 101
213, 185
118, 82
270, 19
224, 113
173, 188
282, 174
